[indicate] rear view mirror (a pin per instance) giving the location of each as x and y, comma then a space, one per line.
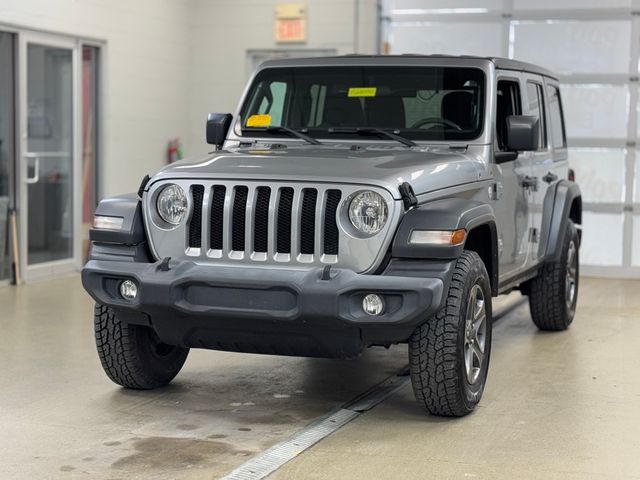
217, 128
523, 133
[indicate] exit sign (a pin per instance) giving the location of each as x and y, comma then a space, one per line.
290, 24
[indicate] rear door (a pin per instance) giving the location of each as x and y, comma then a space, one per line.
540, 161
549, 163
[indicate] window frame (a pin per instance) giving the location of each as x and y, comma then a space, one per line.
241, 132
544, 130
510, 79
556, 86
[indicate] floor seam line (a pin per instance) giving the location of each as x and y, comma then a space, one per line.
267, 462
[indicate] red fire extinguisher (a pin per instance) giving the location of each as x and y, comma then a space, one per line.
174, 151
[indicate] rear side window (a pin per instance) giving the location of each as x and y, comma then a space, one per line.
556, 121
536, 109
508, 103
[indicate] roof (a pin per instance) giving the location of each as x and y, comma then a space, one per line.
406, 59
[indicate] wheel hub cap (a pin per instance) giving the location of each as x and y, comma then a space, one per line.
475, 334
572, 275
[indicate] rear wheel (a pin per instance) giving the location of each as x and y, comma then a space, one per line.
553, 294
132, 355
449, 353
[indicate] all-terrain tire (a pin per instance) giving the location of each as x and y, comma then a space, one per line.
132, 355
437, 349
553, 293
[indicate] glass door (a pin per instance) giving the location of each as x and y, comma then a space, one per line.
49, 213
7, 150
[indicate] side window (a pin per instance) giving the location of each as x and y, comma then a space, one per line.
270, 99
556, 121
508, 103
536, 109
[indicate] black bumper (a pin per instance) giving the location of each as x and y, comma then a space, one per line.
266, 310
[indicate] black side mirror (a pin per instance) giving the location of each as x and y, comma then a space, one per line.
523, 133
217, 128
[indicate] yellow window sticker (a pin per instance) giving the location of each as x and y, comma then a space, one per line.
362, 92
259, 120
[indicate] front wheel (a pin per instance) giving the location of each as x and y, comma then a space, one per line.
449, 353
132, 355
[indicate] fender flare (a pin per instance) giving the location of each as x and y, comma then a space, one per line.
128, 207
555, 216
446, 214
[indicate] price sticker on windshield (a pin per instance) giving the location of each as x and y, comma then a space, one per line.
362, 92
259, 120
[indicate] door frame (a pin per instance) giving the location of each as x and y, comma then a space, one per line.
54, 268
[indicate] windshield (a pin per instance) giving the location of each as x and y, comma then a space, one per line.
418, 103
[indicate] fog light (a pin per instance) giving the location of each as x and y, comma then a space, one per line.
128, 290
373, 304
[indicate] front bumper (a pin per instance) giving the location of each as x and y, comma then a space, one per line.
265, 310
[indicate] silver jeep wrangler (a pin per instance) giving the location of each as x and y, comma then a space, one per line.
351, 202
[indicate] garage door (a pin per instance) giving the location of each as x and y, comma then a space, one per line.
594, 47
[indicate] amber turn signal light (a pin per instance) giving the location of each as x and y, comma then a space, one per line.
438, 237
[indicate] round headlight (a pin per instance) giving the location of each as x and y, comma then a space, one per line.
368, 212
172, 204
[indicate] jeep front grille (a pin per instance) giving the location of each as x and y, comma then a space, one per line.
277, 224
195, 232
248, 217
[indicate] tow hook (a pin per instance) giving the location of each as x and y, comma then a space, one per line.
164, 265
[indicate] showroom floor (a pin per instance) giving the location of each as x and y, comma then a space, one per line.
556, 406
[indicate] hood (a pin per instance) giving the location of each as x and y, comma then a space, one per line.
425, 168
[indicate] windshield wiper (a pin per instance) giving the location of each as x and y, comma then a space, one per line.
293, 132
375, 131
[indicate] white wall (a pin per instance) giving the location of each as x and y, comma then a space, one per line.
145, 65
223, 30
167, 63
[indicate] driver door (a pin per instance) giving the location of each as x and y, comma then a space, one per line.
510, 199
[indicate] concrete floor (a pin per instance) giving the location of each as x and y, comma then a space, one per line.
556, 406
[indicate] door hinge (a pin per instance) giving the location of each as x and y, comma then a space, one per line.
495, 191
530, 183
550, 177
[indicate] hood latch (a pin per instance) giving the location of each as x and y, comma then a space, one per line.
408, 195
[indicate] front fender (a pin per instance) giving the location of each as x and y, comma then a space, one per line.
129, 209
128, 244
444, 214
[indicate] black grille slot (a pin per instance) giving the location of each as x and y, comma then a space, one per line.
217, 217
239, 218
308, 220
330, 226
261, 226
195, 224
283, 235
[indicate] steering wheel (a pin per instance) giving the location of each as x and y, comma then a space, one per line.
442, 121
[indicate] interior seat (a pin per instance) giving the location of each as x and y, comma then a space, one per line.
458, 107
386, 112
343, 111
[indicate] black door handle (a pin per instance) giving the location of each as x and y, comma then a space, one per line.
550, 177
